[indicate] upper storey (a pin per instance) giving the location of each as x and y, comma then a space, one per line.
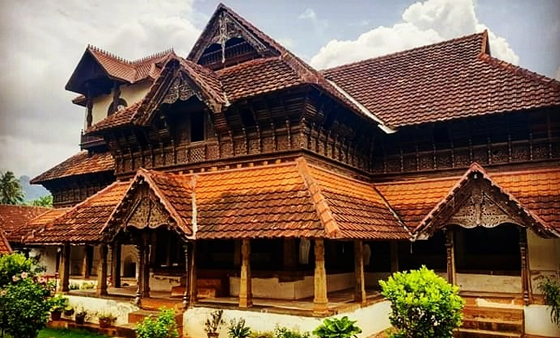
240, 96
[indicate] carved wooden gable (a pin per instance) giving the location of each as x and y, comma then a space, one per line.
224, 26
477, 201
147, 213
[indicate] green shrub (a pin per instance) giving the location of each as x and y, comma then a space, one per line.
214, 322
283, 332
551, 292
163, 326
25, 299
87, 286
237, 329
74, 286
58, 303
423, 305
337, 328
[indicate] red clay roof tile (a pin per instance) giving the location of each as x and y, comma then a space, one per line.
4, 245
443, 81
14, 219
80, 164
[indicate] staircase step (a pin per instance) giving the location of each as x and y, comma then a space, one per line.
506, 314
472, 333
491, 324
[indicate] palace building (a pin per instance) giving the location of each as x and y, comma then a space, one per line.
239, 177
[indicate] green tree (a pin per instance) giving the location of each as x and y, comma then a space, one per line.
45, 201
423, 305
10, 189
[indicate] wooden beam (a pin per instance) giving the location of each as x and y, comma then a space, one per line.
192, 276
141, 267
360, 289
245, 287
102, 271
525, 275
65, 269
320, 301
116, 265
450, 248
394, 256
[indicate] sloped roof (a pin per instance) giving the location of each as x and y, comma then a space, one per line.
448, 80
81, 223
80, 164
4, 245
14, 219
118, 68
534, 193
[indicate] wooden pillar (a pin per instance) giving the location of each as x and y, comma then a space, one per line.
394, 256
525, 275
146, 271
450, 249
141, 268
65, 269
360, 289
89, 107
245, 287
116, 265
102, 271
187, 269
320, 301
290, 253
86, 261
191, 286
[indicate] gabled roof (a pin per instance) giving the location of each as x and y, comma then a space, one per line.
529, 197
448, 80
4, 245
173, 192
14, 219
80, 164
81, 223
114, 67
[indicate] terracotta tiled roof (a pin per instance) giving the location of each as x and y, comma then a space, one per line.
79, 164
81, 223
448, 80
4, 245
14, 218
119, 118
535, 192
36, 224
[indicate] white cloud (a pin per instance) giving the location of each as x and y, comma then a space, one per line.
422, 23
41, 45
318, 24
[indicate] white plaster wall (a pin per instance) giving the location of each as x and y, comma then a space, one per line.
129, 253
131, 94
489, 283
273, 288
47, 259
93, 305
543, 259
371, 319
163, 283
537, 321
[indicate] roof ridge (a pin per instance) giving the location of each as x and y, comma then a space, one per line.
106, 53
402, 52
322, 209
153, 56
517, 70
24, 206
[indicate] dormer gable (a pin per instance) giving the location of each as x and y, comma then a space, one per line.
228, 39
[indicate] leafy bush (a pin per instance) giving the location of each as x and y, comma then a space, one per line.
283, 332
14, 264
337, 328
24, 298
74, 286
163, 326
423, 304
237, 329
87, 286
551, 292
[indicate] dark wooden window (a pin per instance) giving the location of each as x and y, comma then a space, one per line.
197, 127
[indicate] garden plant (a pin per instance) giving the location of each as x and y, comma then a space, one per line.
551, 291
238, 329
162, 326
337, 328
423, 305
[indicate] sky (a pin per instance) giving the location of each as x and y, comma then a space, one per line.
42, 42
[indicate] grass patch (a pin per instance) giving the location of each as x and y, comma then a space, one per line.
67, 333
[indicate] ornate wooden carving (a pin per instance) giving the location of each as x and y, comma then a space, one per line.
180, 89
525, 270
450, 250
147, 213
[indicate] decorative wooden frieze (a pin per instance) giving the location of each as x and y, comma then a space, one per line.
180, 89
147, 213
